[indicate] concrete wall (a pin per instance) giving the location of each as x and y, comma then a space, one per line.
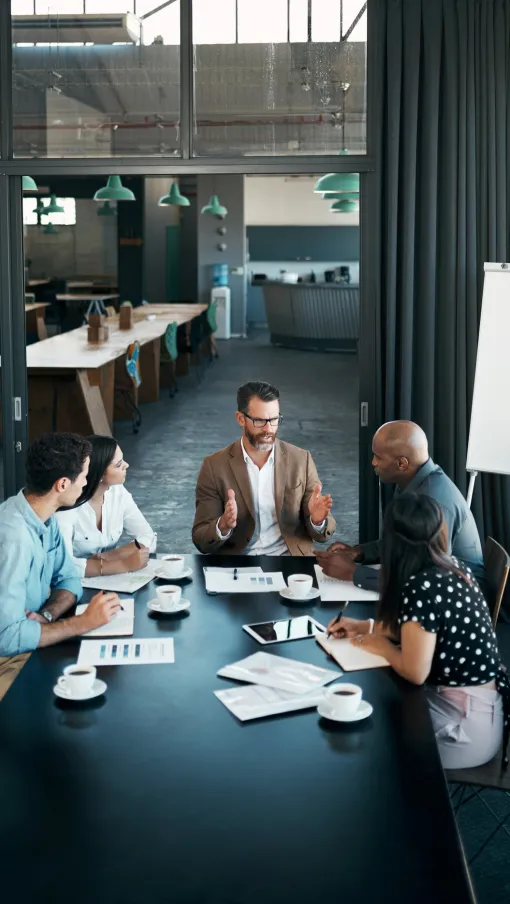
230, 190
87, 249
288, 201
156, 219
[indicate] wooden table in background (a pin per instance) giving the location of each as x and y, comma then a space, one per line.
36, 283
72, 383
35, 318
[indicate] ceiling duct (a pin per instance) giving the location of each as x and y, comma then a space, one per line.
79, 29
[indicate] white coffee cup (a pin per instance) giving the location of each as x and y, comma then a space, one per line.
168, 597
343, 698
300, 585
171, 566
77, 680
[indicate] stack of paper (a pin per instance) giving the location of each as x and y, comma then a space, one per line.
332, 590
122, 625
224, 580
279, 685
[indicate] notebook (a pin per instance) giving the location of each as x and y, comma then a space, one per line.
332, 590
123, 625
349, 657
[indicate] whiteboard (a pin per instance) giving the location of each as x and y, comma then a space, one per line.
489, 433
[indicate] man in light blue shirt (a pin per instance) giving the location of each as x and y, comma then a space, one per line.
38, 580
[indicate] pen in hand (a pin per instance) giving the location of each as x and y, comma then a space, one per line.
120, 604
235, 574
339, 617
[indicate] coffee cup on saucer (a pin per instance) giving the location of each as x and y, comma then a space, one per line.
77, 680
300, 585
171, 566
168, 598
343, 699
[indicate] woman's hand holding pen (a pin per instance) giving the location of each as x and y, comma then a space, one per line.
347, 627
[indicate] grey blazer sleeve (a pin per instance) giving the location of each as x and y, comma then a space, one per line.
370, 552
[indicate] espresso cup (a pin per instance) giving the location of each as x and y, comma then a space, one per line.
300, 585
77, 680
172, 566
343, 699
168, 597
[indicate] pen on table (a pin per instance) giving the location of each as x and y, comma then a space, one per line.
339, 617
120, 604
235, 574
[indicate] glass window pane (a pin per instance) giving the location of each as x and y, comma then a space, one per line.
298, 25
214, 21
68, 218
325, 20
22, 7
262, 22
266, 96
101, 89
29, 211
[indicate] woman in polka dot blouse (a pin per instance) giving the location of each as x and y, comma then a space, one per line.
434, 628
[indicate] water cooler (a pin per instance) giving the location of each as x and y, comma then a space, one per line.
220, 293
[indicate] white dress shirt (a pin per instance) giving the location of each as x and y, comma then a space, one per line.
120, 515
267, 539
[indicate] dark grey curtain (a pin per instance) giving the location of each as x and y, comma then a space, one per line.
442, 186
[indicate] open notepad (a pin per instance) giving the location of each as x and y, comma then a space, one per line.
332, 590
122, 625
349, 657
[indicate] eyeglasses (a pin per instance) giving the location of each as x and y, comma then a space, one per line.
262, 421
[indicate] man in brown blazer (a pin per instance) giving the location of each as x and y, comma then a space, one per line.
260, 496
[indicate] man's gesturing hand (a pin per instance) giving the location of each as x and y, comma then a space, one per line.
228, 520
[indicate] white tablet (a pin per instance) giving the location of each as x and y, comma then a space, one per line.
283, 629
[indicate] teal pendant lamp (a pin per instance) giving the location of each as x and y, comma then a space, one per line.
50, 230
214, 208
106, 210
345, 206
173, 197
337, 182
52, 207
114, 191
28, 184
342, 196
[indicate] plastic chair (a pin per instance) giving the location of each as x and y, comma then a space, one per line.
497, 566
209, 328
129, 389
189, 342
170, 353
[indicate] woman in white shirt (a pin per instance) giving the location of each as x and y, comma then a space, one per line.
105, 510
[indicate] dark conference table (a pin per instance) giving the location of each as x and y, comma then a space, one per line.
155, 793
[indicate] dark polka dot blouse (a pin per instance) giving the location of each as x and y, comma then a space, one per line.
443, 603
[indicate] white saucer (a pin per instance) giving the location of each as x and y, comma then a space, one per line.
96, 690
154, 606
164, 577
364, 710
311, 595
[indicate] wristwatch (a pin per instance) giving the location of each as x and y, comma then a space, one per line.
47, 615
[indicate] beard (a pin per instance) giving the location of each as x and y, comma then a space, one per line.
260, 441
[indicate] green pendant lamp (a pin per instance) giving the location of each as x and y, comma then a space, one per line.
345, 206
342, 196
50, 230
106, 210
333, 182
214, 208
52, 207
173, 197
29, 184
114, 191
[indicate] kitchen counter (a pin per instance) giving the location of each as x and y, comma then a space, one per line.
318, 316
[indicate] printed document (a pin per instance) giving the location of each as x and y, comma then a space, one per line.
332, 590
277, 671
138, 651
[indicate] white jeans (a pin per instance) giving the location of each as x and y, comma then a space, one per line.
468, 724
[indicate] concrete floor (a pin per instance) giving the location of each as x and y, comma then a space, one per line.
319, 402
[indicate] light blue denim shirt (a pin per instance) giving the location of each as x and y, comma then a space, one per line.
33, 562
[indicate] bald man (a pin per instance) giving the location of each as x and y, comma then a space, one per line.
401, 456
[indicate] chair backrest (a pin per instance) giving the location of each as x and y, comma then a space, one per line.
211, 316
133, 363
170, 342
110, 310
29, 298
497, 566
